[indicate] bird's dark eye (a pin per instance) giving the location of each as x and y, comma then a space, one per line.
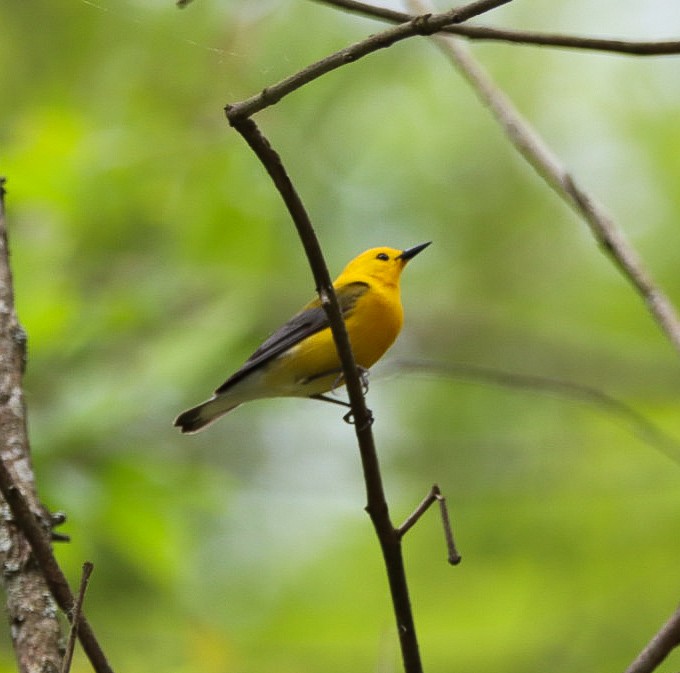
383, 256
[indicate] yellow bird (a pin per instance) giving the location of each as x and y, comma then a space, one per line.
300, 358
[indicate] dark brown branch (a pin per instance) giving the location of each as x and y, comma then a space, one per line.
435, 495
376, 503
420, 25
76, 617
659, 647
629, 47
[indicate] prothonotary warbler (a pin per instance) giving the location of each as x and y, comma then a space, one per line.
300, 358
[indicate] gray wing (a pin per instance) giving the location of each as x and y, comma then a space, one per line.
310, 320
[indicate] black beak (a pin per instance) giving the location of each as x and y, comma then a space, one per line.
410, 253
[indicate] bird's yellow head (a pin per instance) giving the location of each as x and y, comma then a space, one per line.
381, 264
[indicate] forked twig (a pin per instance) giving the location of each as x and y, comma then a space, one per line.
435, 495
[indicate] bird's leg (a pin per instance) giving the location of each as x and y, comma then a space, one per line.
348, 417
363, 378
332, 400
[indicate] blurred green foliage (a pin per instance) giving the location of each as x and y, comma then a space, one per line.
151, 254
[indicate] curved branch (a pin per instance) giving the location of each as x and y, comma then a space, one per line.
628, 47
388, 535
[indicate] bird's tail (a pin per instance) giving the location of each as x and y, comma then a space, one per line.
197, 418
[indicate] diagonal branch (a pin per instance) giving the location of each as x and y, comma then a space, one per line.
54, 577
629, 47
420, 25
659, 647
534, 149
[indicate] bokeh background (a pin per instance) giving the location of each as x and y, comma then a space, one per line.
151, 255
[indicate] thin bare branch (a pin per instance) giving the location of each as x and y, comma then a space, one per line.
659, 647
618, 46
76, 617
435, 495
640, 425
534, 149
420, 25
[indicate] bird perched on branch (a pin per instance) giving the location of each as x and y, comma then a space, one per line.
300, 358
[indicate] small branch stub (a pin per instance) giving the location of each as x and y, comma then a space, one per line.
433, 496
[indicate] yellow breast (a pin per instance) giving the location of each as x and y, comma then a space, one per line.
374, 324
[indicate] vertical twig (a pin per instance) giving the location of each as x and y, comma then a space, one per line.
454, 557
76, 616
